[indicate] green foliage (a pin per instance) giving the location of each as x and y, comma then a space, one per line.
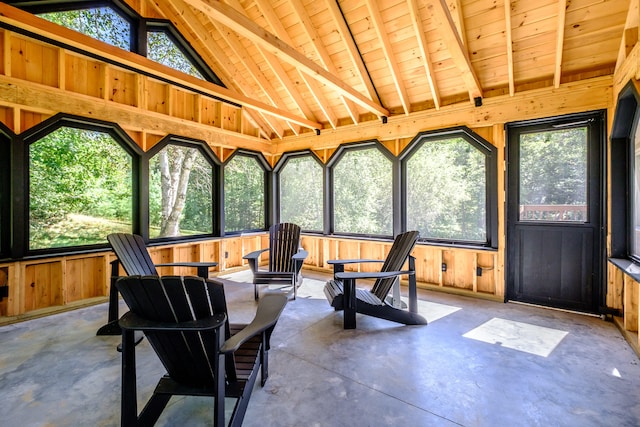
553, 167
76, 171
101, 23
196, 215
244, 194
446, 191
301, 193
363, 199
162, 49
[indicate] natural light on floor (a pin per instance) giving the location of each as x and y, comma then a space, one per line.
518, 336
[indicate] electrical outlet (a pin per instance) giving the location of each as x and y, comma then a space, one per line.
444, 266
226, 254
478, 271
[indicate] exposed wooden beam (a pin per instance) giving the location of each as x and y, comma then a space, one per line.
392, 63
630, 35
188, 23
30, 96
421, 36
312, 85
562, 9
352, 50
321, 50
249, 29
509, 37
441, 16
12, 16
281, 76
455, 8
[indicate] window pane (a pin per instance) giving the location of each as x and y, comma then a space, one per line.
363, 199
180, 193
446, 191
301, 193
101, 23
553, 175
80, 189
244, 199
162, 49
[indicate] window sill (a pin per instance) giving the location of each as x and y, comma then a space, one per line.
627, 266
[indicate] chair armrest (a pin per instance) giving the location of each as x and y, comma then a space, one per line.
267, 314
352, 261
132, 321
301, 255
254, 254
372, 274
202, 266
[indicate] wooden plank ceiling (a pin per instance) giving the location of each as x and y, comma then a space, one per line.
338, 63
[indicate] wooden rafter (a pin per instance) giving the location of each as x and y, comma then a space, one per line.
455, 8
441, 16
562, 9
352, 49
184, 18
630, 34
312, 85
421, 36
321, 50
249, 29
509, 39
392, 63
28, 22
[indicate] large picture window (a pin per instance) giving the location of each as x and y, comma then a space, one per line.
449, 183
181, 183
80, 188
244, 194
362, 191
300, 181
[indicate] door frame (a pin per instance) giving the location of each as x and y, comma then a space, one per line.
598, 304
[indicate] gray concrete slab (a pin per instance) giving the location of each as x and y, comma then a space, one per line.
477, 363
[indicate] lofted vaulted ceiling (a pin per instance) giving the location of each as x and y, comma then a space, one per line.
343, 62
300, 66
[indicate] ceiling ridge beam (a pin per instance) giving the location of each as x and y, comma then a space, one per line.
249, 29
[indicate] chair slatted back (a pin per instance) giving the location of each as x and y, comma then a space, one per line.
398, 254
132, 254
188, 357
284, 242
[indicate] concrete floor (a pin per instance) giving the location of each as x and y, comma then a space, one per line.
477, 363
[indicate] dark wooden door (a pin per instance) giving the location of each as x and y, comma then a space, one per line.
555, 200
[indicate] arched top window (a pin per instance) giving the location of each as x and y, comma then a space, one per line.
182, 189
82, 184
300, 195
103, 22
245, 192
362, 183
450, 187
114, 22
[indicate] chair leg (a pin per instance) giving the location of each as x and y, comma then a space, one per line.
128, 404
349, 295
255, 291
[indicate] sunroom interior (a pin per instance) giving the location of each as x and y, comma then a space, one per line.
505, 132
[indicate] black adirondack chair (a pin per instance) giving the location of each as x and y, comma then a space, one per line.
285, 259
185, 320
342, 294
132, 253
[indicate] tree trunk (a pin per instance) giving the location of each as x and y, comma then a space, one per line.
177, 194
